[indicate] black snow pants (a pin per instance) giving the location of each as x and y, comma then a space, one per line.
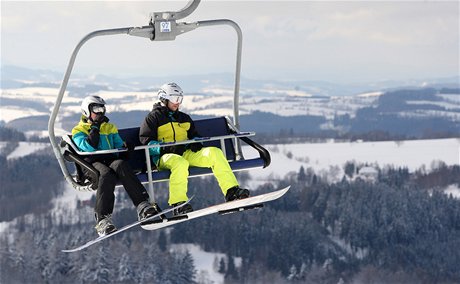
110, 173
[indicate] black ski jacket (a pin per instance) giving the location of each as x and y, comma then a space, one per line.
163, 125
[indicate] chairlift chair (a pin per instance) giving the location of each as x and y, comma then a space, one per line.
219, 131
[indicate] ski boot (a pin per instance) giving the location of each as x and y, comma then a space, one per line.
235, 193
146, 210
105, 225
181, 210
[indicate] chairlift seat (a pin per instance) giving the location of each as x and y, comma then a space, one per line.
210, 127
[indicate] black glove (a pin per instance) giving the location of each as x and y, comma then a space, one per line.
98, 121
93, 136
127, 154
195, 147
129, 146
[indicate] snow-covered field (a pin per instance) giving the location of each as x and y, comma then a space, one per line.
209, 101
24, 149
323, 157
326, 159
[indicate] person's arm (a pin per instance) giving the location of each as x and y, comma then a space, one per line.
94, 134
86, 142
117, 141
192, 134
148, 135
148, 130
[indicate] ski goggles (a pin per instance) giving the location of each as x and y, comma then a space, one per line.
175, 99
98, 108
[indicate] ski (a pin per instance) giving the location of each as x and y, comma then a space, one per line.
253, 202
146, 221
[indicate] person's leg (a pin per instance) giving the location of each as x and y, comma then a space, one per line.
105, 197
178, 179
212, 157
136, 191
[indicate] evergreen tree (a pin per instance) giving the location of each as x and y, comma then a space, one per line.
185, 269
125, 270
350, 169
222, 269
302, 176
231, 273
64, 266
102, 267
292, 273
86, 272
163, 241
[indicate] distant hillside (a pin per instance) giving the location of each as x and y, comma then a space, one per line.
424, 113
272, 109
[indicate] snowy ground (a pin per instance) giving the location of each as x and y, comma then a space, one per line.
323, 157
26, 148
454, 190
209, 101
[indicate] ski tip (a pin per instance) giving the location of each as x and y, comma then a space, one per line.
69, 250
285, 189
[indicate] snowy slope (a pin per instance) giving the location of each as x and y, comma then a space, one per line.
26, 148
215, 101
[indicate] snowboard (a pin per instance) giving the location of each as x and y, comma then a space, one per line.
252, 202
145, 221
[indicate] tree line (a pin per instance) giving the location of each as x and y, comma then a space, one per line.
28, 184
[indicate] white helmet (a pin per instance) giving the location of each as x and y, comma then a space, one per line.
170, 92
92, 103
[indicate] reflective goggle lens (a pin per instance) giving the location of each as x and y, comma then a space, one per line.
98, 109
176, 99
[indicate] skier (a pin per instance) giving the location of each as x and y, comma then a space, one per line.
94, 132
165, 123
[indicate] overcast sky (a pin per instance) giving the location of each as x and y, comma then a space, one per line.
340, 41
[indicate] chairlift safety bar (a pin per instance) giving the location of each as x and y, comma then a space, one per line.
164, 144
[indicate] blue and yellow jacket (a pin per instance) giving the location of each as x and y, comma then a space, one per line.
90, 139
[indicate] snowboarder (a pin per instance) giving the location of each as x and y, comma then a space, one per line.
94, 132
165, 123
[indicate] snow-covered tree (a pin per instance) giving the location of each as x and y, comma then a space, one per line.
102, 265
292, 273
125, 270
185, 272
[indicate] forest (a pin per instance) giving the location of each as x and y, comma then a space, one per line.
398, 228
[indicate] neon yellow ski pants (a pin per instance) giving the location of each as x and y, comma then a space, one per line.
207, 157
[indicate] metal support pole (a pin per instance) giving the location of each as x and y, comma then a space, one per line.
149, 175
236, 94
